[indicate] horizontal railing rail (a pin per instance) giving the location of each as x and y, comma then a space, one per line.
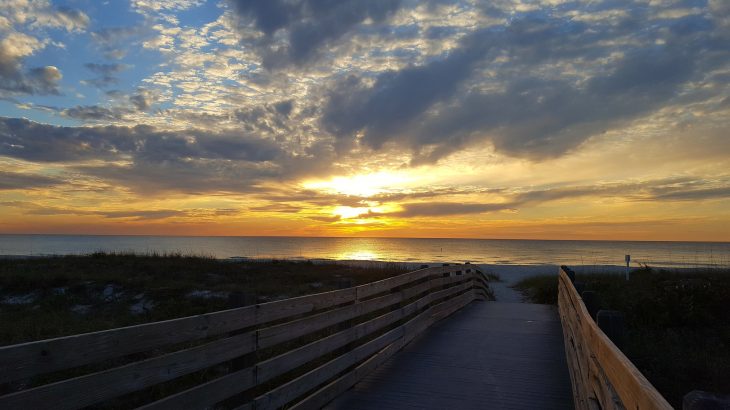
298, 352
601, 375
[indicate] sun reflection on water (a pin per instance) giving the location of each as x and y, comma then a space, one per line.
359, 255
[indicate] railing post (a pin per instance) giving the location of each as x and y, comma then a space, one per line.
345, 283
238, 299
611, 323
700, 400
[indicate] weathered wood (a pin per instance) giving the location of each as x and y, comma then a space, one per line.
96, 387
301, 385
326, 394
385, 285
599, 370
40, 357
427, 286
291, 330
407, 332
290, 360
225, 386
35, 358
207, 394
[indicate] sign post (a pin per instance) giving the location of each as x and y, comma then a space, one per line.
628, 260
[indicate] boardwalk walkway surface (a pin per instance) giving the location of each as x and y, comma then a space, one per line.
489, 355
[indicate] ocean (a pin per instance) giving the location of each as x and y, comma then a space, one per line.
431, 250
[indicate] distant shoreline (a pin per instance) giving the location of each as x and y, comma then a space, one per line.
515, 270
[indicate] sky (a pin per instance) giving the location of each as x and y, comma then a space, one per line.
544, 119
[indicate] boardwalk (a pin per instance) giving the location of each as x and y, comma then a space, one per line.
489, 355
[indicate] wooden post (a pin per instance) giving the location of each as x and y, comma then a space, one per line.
345, 283
238, 299
611, 323
590, 299
700, 400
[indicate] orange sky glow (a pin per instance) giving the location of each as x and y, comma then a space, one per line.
519, 119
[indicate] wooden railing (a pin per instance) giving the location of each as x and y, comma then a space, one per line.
602, 377
298, 352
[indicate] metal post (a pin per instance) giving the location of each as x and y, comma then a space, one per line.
628, 260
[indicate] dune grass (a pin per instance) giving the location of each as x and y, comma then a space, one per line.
677, 324
43, 297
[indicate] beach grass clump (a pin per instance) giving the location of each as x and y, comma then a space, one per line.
542, 289
677, 324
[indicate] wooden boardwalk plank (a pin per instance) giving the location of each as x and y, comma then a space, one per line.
489, 355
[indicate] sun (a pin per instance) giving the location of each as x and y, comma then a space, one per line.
363, 185
348, 212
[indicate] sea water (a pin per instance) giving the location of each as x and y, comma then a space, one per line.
484, 251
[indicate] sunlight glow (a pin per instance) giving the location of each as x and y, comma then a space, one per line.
359, 255
347, 212
364, 185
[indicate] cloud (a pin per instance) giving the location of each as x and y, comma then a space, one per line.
308, 25
114, 41
328, 219
695, 194
143, 99
14, 48
92, 113
149, 159
443, 203
47, 143
141, 215
508, 87
24, 181
69, 19
419, 209
39, 14
105, 73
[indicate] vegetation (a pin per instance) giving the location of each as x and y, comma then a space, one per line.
677, 324
45, 297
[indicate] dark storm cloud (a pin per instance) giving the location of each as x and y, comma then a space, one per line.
309, 24
16, 180
438, 107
